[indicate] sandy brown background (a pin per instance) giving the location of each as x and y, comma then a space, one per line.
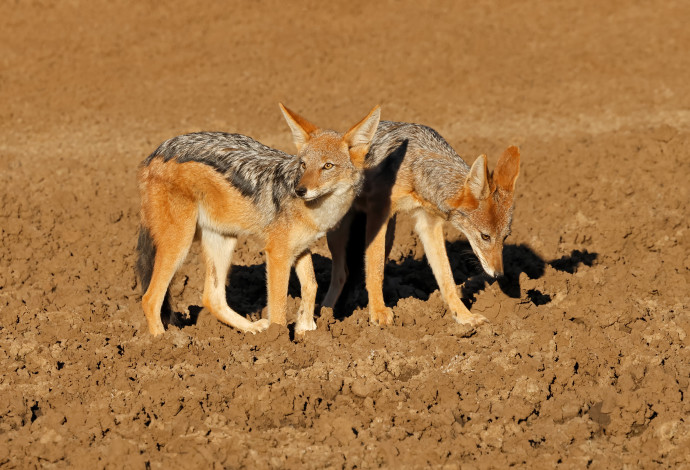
585, 359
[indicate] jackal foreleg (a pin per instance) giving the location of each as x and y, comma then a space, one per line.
278, 264
374, 264
307, 280
337, 244
430, 231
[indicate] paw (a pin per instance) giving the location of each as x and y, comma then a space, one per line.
258, 326
472, 319
156, 330
303, 326
382, 317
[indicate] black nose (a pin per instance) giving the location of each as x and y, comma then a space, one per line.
301, 191
498, 274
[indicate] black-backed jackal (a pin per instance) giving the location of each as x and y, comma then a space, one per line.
411, 168
219, 186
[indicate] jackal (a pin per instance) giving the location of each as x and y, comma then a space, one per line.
219, 186
411, 168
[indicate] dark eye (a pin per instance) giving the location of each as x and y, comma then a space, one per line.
328, 166
485, 237
303, 165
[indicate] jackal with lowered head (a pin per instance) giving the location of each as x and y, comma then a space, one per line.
411, 168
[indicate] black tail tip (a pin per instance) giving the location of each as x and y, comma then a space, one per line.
146, 251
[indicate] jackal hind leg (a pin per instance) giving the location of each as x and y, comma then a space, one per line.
374, 264
173, 241
218, 250
307, 280
430, 231
337, 244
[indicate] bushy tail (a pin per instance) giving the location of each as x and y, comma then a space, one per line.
146, 255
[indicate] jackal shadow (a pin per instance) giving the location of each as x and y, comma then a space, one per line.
246, 288
413, 277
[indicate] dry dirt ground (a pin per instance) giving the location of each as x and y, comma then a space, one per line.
584, 362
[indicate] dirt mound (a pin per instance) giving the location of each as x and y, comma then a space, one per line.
585, 359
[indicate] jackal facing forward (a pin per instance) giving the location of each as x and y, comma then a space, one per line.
220, 186
411, 168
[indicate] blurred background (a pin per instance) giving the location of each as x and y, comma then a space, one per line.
501, 69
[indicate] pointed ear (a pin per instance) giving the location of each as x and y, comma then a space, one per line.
300, 127
359, 137
507, 169
478, 178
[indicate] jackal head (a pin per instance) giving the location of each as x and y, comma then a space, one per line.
483, 210
332, 163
